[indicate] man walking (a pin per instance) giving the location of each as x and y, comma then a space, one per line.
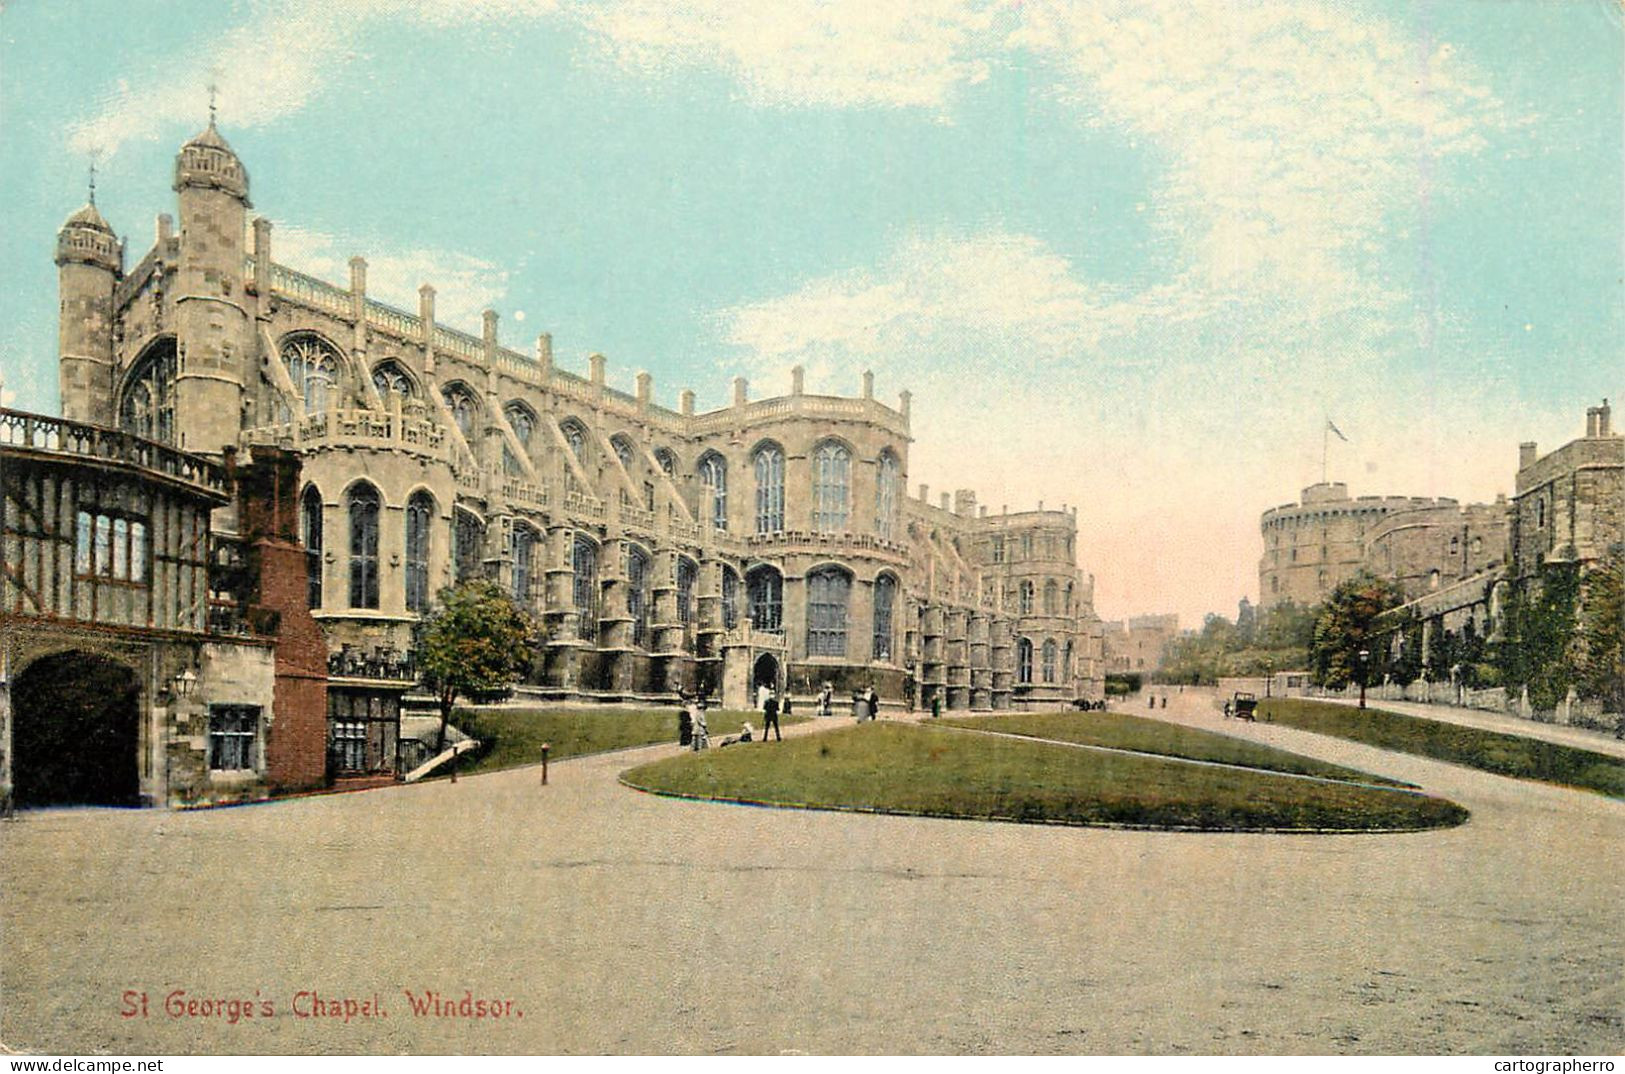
770, 717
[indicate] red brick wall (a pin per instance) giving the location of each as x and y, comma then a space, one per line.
267, 492
297, 750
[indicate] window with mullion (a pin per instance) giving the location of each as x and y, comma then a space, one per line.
419, 519
524, 545
832, 476
885, 600
765, 594
637, 595
363, 510
584, 591
827, 594
769, 490
714, 476
1024, 661
232, 733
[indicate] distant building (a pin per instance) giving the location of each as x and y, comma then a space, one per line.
1138, 644
1423, 544
1568, 507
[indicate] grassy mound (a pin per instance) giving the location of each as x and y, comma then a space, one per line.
932, 771
1490, 751
514, 737
1123, 732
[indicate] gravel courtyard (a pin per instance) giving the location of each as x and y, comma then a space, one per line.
613, 921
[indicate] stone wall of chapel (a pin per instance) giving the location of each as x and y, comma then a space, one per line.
215, 266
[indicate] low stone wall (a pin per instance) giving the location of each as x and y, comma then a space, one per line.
1573, 712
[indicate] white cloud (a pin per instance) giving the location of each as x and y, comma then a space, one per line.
464, 285
271, 66
1297, 132
894, 53
1007, 297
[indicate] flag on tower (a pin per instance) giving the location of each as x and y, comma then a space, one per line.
1336, 430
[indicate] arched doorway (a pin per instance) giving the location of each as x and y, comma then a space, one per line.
765, 673
75, 732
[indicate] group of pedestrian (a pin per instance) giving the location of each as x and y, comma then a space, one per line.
692, 732
1152, 699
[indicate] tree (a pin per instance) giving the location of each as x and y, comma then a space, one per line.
478, 641
1347, 624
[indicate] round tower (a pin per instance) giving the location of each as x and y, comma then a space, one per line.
88, 259
213, 327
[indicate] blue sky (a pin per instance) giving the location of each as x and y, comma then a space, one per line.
1127, 255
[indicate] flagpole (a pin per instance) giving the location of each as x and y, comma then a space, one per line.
1325, 432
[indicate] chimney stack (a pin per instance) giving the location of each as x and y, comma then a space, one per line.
798, 380
685, 402
1526, 454
741, 391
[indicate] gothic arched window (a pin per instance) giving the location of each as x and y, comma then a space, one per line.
832, 478
623, 450
885, 601
363, 505
313, 366
524, 550
148, 408
1068, 605
769, 463
1066, 663
584, 589
1052, 593
637, 594
1026, 598
667, 461
714, 478
888, 479
464, 408
521, 421
575, 437
827, 591
1049, 660
310, 532
765, 594
1024, 661
391, 379
420, 512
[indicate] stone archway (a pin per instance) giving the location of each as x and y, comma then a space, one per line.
765, 672
75, 727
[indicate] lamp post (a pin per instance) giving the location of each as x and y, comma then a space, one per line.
1365, 657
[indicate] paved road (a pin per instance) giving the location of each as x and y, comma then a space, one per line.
622, 922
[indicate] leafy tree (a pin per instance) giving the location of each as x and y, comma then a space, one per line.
1599, 658
1347, 624
478, 641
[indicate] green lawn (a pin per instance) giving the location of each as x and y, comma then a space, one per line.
936, 771
514, 737
1491, 751
1125, 732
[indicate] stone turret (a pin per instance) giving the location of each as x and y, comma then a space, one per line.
215, 340
88, 259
